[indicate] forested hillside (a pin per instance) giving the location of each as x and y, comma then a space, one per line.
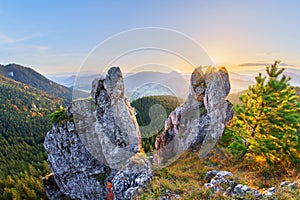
142, 107
32, 78
25, 107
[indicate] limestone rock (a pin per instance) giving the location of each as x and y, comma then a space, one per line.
117, 129
135, 174
222, 181
104, 143
200, 120
97, 141
271, 191
74, 168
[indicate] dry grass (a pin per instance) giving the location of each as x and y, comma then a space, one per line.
185, 177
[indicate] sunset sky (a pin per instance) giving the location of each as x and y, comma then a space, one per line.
56, 36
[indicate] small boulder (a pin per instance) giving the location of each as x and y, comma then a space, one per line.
270, 192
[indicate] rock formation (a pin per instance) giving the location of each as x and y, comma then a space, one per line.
223, 181
107, 124
75, 171
103, 146
200, 120
83, 158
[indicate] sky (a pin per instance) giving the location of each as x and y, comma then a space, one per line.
57, 36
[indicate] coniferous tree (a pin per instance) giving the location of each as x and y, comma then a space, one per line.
266, 124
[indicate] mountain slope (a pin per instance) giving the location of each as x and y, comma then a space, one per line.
24, 121
32, 78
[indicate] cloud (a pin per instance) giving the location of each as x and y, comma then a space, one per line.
262, 64
6, 39
10, 43
268, 53
25, 47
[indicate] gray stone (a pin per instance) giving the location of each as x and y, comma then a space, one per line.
218, 181
256, 194
221, 182
99, 149
74, 168
117, 129
284, 183
241, 189
210, 174
271, 191
136, 174
200, 120
224, 174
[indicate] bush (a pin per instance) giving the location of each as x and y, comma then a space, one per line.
58, 116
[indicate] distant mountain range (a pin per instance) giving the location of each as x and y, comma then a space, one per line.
291, 72
173, 83
136, 85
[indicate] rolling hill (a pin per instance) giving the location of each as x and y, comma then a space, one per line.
34, 79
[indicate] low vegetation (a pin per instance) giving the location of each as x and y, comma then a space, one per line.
185, 178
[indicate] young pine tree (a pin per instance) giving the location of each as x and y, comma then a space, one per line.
266, 124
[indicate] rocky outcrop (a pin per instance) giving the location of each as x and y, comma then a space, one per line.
223, 182
117, 128
107, 125
100, 141
200, 120
75, 170
96, 141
